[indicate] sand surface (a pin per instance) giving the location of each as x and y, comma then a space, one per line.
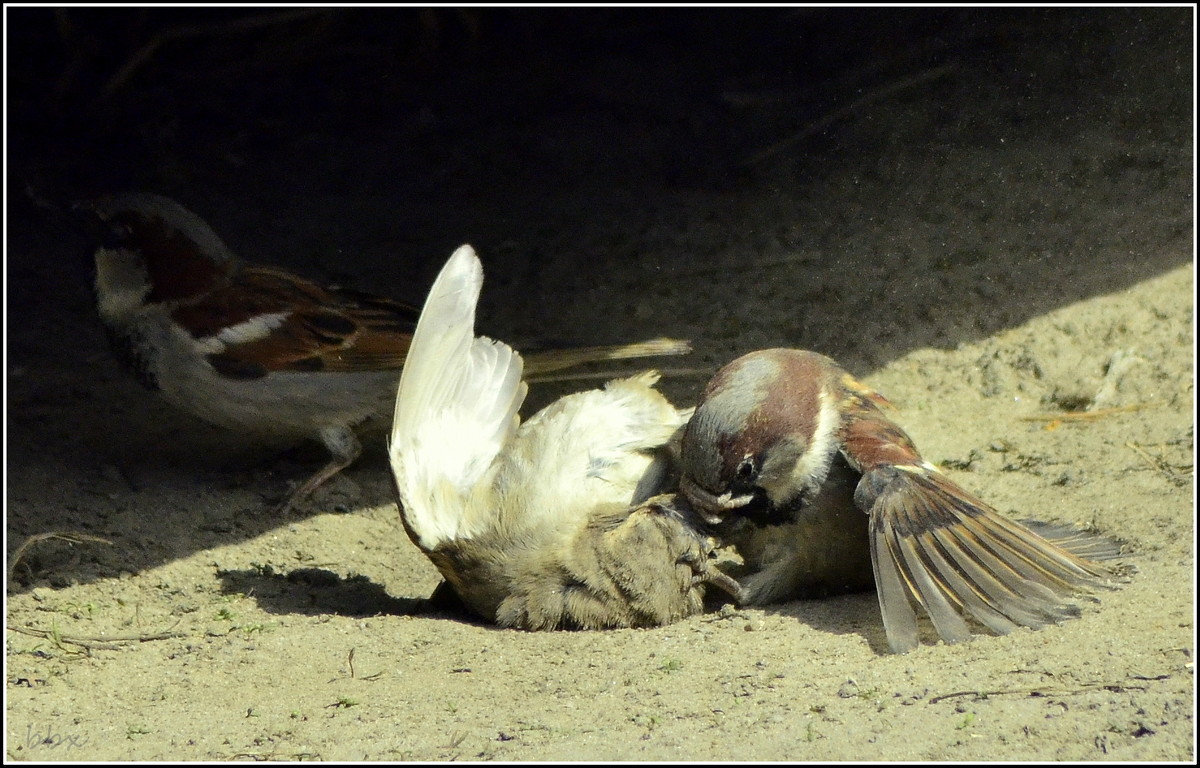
988, 217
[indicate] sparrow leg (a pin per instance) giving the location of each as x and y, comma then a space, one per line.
664, 522
344, 448
706, 573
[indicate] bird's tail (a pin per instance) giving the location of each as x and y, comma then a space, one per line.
541, 362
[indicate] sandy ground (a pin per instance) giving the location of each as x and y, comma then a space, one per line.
995, 229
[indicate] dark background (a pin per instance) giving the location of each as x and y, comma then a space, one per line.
492, 125
862, 182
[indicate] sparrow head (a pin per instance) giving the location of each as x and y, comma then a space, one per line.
762, 437
151, 249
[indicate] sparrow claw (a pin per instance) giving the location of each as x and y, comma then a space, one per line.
698, 552
725, 583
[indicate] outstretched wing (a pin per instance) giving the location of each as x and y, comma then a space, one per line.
456, 409
934, 544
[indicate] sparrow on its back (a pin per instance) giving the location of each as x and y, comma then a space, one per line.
557, 522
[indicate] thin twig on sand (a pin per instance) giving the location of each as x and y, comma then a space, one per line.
869, 97
1086, 415
72, 537
94, 642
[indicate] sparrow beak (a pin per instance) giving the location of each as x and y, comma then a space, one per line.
710, 507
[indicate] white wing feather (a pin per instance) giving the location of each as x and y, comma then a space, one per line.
456, 410
585, 451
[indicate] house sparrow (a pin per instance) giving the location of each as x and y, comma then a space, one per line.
555, 523
794, 463
258, 349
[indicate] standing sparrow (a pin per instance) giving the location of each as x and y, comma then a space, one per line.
794, 462
553, 523
257, 349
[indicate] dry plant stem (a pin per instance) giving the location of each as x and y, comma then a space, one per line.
148, 50
73, 537
1052, 691
1156, 464
94, 642
1086, 415
605, 375
840, 114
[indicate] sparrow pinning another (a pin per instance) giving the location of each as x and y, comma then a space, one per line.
793, 462
559, 522
257, 349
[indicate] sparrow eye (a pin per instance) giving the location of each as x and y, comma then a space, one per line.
116, 235
747, 471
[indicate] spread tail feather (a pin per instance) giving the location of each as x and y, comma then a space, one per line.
547, 361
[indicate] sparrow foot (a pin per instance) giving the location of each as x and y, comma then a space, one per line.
344, 447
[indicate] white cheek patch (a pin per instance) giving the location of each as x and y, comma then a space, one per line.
121, 283
116, 303
254, 329
814, 464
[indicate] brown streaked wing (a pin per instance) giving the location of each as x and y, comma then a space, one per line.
869, 440
938, 600
247, 294
1036, 559
951, 552
1077, 541
867, 393
988, 596
899, 618
319, 329
385, 329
